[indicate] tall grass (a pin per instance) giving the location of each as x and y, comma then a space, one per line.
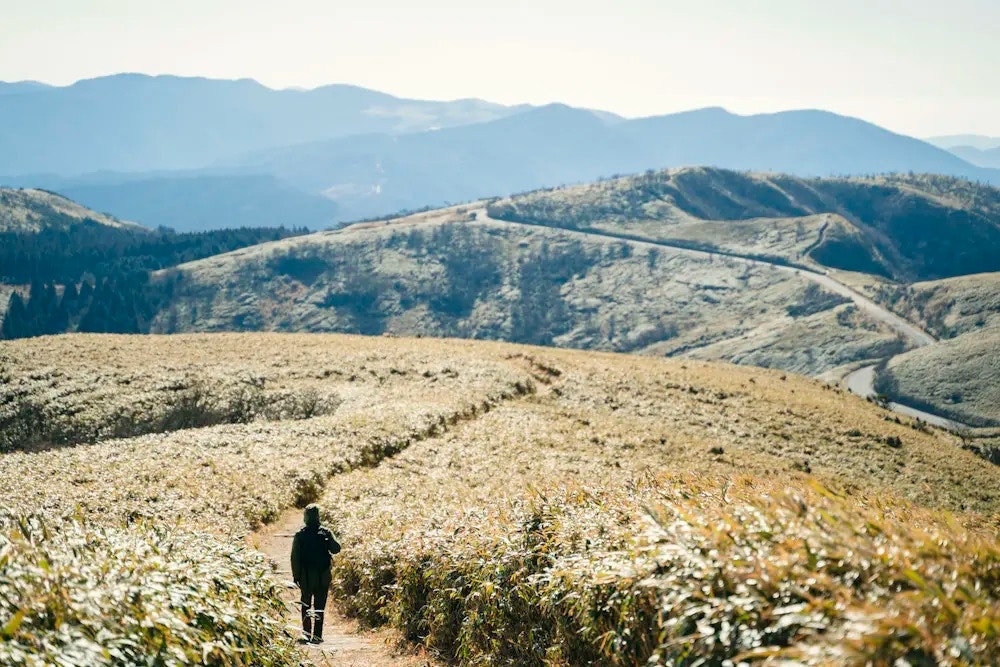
685, 571
72, 594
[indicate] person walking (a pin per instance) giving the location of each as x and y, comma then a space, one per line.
312, 549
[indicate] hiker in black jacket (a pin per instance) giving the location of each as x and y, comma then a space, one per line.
311, 551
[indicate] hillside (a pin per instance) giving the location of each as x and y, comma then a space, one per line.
946, 308
958, 377
446, 274
484, 493
903, 227
64, 267
32, 210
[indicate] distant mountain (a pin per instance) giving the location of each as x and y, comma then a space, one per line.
975, 140
554, 145
12, 87
196, 203
134, 122
200, 154
982, 158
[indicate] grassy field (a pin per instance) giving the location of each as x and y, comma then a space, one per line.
654, 513
496, 502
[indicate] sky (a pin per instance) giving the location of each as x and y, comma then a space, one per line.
920, 67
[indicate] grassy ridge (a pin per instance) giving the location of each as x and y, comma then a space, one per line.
896, 226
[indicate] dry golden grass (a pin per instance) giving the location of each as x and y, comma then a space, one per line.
527, 490
380, 395
72, 594
579, 526
949, 307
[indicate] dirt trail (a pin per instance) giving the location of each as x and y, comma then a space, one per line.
343, 644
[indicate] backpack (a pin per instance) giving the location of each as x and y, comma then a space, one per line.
315, 549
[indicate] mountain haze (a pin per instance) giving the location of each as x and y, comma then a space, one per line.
981, 157
176, 151
554, 145
135, 122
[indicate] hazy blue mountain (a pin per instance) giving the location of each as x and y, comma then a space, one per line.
983, 158
133, 122
198, 153
555, 145
195, 201
11, 87
979, 141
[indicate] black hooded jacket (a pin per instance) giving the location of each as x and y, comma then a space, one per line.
312, 549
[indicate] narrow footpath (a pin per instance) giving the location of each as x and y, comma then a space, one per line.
344, 644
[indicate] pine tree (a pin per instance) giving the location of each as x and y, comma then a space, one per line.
16, 318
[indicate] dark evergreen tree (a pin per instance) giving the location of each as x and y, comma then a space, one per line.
16, 318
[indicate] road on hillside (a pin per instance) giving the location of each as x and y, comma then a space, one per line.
862, 381
914, 334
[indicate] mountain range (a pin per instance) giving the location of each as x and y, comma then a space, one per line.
199, 154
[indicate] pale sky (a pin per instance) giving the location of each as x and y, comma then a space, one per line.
920, 67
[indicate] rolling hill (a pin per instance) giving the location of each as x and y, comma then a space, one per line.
903, 227
957, 377
450, 273
946, 308
484, 492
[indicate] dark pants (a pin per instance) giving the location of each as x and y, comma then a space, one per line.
313, 609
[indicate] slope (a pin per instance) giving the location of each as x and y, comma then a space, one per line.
947, 308
32, 210
904, 227
957, 377
473, 481
451, 273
